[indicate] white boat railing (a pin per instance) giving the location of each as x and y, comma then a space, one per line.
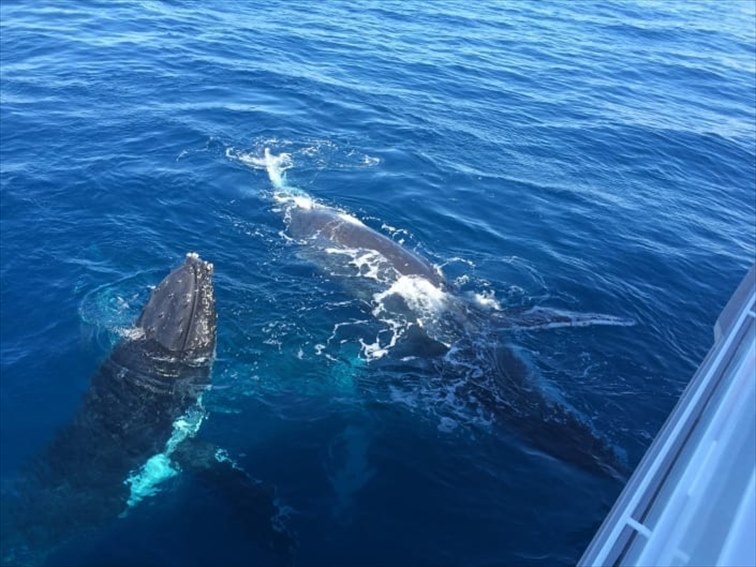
692, 499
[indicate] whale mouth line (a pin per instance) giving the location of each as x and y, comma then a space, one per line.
195, 298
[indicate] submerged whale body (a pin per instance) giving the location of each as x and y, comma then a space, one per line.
137, 420
513, 397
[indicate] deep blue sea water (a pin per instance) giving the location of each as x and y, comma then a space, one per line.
585, 156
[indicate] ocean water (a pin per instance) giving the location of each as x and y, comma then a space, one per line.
583, 156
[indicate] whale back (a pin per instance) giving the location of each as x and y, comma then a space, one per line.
327, 226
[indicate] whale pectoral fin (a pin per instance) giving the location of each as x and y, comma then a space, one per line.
252, 501
548, 318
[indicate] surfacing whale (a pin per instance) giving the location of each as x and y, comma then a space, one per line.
408, 286
136, 427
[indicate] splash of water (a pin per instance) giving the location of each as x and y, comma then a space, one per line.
276, 167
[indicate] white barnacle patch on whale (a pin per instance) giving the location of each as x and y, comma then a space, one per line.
144, 482
131, 333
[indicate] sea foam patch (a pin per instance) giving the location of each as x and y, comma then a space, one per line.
420, 295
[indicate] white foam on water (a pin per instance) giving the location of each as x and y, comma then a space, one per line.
370, 264
366, 263
381, 346
249, 159
276, 167
487, 299
407, 301
420, 295
378, 349
318, 153
393, 231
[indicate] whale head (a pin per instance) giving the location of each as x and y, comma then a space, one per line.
180, 315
